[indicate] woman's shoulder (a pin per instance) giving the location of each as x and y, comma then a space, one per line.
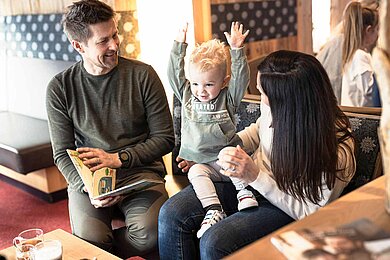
362, 56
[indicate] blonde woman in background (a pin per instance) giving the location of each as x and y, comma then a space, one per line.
360, 37
330, 54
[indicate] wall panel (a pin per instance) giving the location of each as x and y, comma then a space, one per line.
260, 48
16, 7
273, 24
336, 12
41, 36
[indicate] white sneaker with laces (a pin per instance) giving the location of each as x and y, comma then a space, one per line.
246, 200
212, 217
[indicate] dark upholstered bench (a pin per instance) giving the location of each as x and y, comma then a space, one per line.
365, 126
26, 158
24, 143
364, 122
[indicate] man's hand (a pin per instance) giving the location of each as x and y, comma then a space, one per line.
96, 158
236, 37
101, 203
107, 202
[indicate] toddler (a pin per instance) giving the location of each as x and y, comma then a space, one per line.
209, 98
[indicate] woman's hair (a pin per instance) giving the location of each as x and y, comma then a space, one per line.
308, 124
83, 13
356, 20
209, 55
372, 4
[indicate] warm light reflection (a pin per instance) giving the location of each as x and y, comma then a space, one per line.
321, 23
158, 23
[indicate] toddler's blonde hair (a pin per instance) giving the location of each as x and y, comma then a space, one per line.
209, 55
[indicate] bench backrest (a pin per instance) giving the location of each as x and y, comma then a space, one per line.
364, 121
368, 157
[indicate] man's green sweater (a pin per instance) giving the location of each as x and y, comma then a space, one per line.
126, 108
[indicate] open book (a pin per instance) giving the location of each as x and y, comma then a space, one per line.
101, 183
360, 239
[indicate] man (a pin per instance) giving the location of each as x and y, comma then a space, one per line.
115, 112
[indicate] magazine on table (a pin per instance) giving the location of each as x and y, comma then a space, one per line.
100, 184
361, 239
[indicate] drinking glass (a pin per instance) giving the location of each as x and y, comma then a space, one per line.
47, 250
26, 241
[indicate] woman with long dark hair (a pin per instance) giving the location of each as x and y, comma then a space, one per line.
302, 157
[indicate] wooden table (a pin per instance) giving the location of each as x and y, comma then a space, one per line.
72, 246
364, 202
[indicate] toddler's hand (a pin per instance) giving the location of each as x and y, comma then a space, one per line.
236, 37
181, 35
183, 164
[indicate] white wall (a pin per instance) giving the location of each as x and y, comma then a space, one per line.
26, 84
3, 80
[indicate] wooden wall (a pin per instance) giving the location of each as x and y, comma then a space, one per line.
302, 41
336, 12
15, 7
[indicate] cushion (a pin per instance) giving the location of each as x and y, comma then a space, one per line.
24, 143
368, 158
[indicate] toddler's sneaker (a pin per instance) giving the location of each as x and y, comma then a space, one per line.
246, 199
212, 216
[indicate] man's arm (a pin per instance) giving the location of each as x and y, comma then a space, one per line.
61, 133
161, 136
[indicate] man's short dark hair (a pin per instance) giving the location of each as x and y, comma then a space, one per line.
83, 13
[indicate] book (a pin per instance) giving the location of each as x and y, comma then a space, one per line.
100, 184
131, 188
361, 239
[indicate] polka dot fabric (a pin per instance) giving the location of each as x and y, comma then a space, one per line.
41, 36
265, 19
128, 34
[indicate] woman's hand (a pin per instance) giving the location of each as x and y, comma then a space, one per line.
183, 164
236, 37
96, 158
235, 162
